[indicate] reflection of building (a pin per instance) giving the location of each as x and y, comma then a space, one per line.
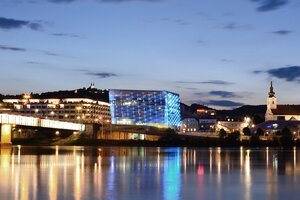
141, 107
189, 125
83, 105
280, 112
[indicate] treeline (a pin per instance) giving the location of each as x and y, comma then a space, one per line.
284, 138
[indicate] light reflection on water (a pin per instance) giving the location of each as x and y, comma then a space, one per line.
30, 173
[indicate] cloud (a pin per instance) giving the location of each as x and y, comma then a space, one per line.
20, 49
48, 53
212, 82
35, 26
200, 41
61, 1
181, 22
234, 26
191, 88
230, 26
65, 35
282, 32
120, 1
289, 73
10, 48
257, 71
103, 1
224, 103
174, 21
223, 94
226, 60
33, 63
269, 5
8, 23
101, 75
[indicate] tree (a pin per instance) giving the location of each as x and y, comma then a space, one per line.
254, 140
247, 131
169, 135
233, 138
258, 119
222, 133
286, 138
259, 132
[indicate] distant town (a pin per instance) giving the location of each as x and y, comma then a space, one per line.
63, 117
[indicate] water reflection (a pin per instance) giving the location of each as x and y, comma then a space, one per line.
148, 173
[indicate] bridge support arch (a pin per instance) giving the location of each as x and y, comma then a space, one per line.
5, 133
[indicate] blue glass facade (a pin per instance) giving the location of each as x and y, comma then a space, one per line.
138, 107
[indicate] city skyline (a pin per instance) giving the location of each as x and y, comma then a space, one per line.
221, 54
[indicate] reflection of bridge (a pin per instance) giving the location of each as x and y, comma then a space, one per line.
7, 121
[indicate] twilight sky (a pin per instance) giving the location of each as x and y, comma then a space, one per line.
215, 52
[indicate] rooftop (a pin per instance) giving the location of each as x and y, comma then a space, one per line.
287, 110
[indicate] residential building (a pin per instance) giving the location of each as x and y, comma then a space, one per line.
82, 105
207, 125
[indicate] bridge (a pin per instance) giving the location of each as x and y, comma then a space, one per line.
7, 121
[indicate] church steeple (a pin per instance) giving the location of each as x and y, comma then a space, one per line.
271, 93
272, 100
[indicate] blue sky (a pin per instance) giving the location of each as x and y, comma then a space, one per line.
222, 53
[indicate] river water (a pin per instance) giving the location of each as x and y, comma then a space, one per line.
142, 173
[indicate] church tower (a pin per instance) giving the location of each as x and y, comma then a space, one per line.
272, 100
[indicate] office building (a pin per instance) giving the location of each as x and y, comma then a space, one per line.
142, 107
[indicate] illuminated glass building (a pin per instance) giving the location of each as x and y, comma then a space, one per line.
142, 107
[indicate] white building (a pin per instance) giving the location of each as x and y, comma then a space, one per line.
280, 112
231, 126
81, 110
189, 125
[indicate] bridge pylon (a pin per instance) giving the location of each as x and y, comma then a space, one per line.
5, 134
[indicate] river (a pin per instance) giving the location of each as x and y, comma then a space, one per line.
142, 173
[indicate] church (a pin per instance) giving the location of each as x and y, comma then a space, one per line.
280, 112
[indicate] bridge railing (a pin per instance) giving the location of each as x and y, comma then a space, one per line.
18, 120
47, 123
37, 122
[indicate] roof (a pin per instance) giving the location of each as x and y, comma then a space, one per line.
278, 124
287, 110
129, 90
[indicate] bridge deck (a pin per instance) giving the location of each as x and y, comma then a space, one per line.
38, 122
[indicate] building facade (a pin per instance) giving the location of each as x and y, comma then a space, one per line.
80, 110
189, 125
142, 107
207, 125
280, 112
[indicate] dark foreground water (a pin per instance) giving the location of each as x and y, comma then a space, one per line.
148, 173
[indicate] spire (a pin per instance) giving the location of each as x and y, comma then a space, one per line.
271, 93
